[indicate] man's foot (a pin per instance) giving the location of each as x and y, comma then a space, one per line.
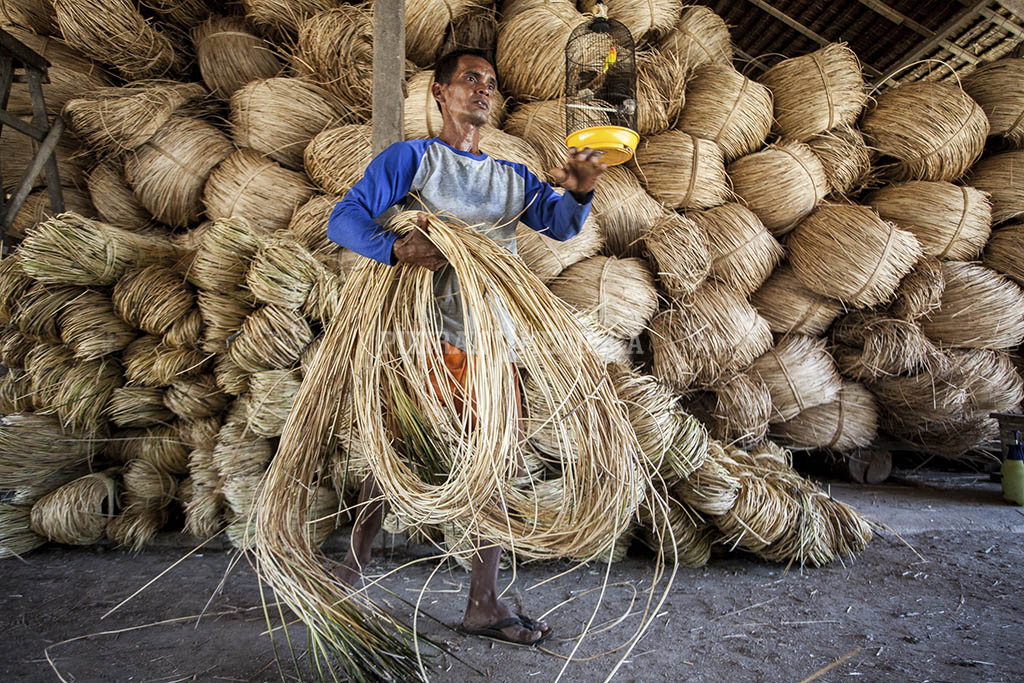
500, 622
348, 574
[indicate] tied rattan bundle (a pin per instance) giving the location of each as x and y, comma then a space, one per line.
762, 515
153, 298
308, 225
36, 208
871, 345
999, 89
230, 56
1002, 177
84, 391
660, 91
76, 513
476, 29
70, 249
70, 74
239, 452
950, 221
186, 332
699, 37
282, 18
114, 32
91, 328
547, 257
282, 273
324, 297
647, 20
530, 70
16, 535
920, 292
931, 131
204, 508
231, 379
679, 247
689, 539
619, 294
20, 150
1005, 252
781, 184
35, 15
14, 347
14, 282
134, 407
336, 158
38, 454
150, 362
608, 347
192, 398
712, 333
114, 200
114, 120
223, 256
849, 422
682, 171
711, 489
279, 116
148, 492
542, 124
743, 252
200, 432
248, 185
47, 364
37, 313
980, 309
848, 253
625, 211
738, 410
169, 171
991, 379
845, 157
159, 446
15, 392
800, 374
426, 23
270, 398
816, 92
421, 116
271, 338
223, 315
920, 401
501, 145
726, 107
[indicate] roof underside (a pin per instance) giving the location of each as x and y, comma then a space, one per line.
894, 39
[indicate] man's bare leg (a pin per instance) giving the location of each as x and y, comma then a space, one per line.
369, 516
484, 609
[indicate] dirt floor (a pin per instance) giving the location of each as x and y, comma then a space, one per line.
948, 610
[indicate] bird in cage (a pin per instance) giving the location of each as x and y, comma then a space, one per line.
592, 81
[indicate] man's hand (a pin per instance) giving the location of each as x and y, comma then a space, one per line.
416, 249
581, 171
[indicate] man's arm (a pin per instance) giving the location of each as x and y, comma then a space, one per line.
561, 217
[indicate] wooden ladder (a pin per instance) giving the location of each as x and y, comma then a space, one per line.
14, 55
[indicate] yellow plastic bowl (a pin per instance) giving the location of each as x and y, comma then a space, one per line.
617, 143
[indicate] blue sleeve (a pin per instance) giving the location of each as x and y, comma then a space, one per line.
558, 216
386, 181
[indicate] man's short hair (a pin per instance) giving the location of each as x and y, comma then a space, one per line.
445, 67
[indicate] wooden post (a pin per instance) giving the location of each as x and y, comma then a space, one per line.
388, 72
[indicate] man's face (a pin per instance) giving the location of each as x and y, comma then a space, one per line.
470, 95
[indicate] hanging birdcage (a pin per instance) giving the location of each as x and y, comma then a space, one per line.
600, 88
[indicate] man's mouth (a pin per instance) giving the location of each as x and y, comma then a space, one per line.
483, 104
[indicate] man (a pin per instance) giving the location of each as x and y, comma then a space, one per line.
449, 174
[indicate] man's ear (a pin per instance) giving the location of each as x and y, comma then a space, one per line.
437, 91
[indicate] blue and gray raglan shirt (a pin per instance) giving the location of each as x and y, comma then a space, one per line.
490, 194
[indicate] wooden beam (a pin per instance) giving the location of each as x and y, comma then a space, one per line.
1015, 6
39, 161
388, 72
902, 20
803, 30
1003, 22
21, 52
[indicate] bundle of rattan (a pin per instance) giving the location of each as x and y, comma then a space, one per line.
799, 373
76, 513
180, 14
728, 108
682, 171
200, 432
204, 507
148, 492
848, 422
91, 328
737, 409
114, 200
336, 158
196, 397
231, 379
624, 210
270, 398
308, 225
15, 392
1000, 176
872, 344
713, 333
761, 516
37, 453
678, 245
20, 150
230, 56
222, 259
816, 92
991, 379
547, 257
421, 117
70, 74
153, 298
501, 145
271, 338
14, 347
239, 452
950, 222
619, 294
646, 21
743, 252
999, 89
931, 131
36, 16
240, 494
37, 313
980, 309
608, 347
476, 29
324, 297
845, 157
46, 365
920, 292
660, 91
781, 184
186, 332
920, 401
542, 124
36, 208
848, 253
13, 284
529, 69
70, 249
16, 535
115, 120
168, 172
426, 23
160, 446
248, 185
1005, 252
282, 18
711, 489
282, 273
970, 439
134, 407
699, 37
684, 537
84, 391
150, 362
279, 116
